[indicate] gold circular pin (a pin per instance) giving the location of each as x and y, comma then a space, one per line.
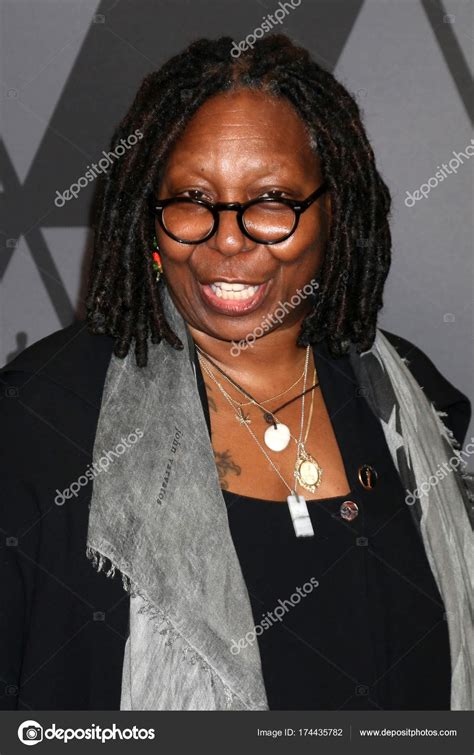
367, 476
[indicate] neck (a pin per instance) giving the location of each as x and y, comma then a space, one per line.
272, 361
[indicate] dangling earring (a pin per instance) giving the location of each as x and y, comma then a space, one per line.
157, 266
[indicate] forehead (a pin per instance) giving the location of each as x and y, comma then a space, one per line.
244, 127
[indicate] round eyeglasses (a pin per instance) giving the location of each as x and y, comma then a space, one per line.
267, 220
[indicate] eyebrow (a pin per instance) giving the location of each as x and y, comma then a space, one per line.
266, 173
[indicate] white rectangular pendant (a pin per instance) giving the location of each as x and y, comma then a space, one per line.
300, 516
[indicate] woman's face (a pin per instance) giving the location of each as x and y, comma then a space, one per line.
239, 146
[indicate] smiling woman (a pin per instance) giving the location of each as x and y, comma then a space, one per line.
247, 267
251, 212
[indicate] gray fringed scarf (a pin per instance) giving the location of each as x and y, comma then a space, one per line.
159, 517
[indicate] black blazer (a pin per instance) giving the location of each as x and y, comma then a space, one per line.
63, 626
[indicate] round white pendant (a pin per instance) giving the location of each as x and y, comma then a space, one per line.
277, 438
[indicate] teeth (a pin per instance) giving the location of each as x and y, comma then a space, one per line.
235, 291
230, 286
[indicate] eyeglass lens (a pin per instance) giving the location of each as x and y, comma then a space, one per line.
268, 221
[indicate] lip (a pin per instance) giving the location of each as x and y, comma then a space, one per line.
232, 306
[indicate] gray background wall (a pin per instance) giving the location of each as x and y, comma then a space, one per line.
70, 68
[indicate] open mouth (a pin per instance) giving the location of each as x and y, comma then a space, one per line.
233, 297
234, 291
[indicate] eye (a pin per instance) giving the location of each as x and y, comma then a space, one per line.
274, 194
194, 194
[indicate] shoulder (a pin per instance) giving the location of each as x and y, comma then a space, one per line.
438, 389
50, 398
72, 359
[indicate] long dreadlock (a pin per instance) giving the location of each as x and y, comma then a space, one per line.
123, 297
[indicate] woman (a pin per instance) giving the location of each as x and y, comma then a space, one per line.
232, 432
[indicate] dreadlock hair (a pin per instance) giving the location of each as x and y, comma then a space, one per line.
123, 297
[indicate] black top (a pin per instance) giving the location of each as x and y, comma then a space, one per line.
368, 620
63, 626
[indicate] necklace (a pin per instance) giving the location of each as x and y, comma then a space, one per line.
267, 400
298, 508
244, 418
278, 435
239, 388
307, 470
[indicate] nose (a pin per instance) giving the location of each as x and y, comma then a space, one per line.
229, 239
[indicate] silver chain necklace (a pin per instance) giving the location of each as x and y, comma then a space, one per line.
296, 503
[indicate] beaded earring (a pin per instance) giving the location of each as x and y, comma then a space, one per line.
157, 265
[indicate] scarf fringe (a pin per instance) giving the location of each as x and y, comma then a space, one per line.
163, 623
467, 478
445, 430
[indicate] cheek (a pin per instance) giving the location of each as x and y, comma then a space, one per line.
307, 241
298, 260
172, 251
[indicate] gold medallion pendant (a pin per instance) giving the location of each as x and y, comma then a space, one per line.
307, 471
